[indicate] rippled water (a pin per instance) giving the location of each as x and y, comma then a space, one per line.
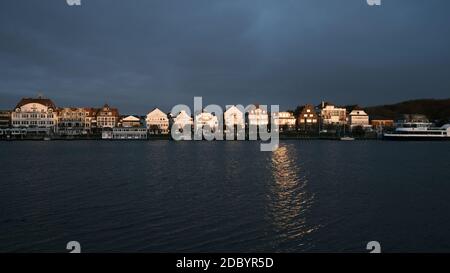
162, 196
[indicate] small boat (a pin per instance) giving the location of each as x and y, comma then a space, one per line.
47, 139
346, 138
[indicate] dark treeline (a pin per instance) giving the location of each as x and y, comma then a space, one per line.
434, 109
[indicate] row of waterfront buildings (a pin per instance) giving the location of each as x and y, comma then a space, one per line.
40, 116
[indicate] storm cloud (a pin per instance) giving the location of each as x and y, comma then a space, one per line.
138, 54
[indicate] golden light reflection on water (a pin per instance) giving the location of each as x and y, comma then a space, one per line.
290, 200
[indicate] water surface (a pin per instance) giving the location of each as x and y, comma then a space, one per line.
162, 196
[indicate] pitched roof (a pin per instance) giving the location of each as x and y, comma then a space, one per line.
106, 108
182, 115
302, 108
157, 111
131, 118
91, 112
358, 112
46, 102
232, 109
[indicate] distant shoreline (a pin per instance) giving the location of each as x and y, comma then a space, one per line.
168, 138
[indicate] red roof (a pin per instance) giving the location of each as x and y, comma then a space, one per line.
106, 109
47, 102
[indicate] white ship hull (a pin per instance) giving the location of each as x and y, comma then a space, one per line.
415, 137
419, 133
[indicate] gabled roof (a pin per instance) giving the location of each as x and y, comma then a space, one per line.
359, 112
232, 109
91, 112
157, 111
183, 114
308, 106
106, 109
131, 118
46, 102
254, 107
205, 117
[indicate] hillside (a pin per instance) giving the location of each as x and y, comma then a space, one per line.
434, 109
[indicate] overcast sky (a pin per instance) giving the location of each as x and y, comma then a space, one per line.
138, 54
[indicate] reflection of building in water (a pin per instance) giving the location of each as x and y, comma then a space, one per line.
290, 200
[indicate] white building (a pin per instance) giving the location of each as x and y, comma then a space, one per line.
183, 122
90, 121
157, 122
36, 115
284, 120
234, 120
332, 115
206, 120
234, 117
258, 117
72, 121
358, 117
107, 117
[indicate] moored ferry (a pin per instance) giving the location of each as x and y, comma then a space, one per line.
418, 131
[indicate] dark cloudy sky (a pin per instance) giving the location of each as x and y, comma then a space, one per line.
137, 54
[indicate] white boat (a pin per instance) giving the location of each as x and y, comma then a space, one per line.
346, 138
418, 131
